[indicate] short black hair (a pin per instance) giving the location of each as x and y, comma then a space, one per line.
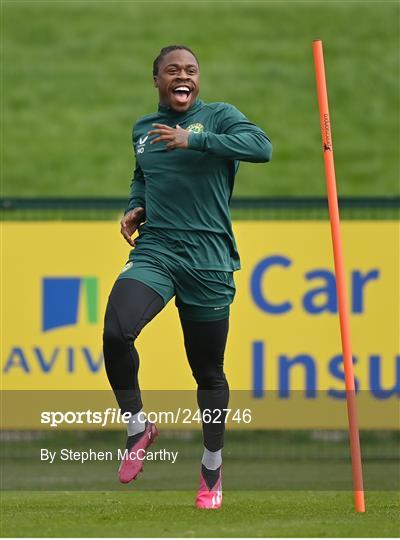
165, 50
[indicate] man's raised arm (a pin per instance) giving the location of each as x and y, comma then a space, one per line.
239, 139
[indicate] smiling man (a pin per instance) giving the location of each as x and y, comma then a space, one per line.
187, 155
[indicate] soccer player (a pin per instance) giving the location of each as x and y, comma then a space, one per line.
187, 154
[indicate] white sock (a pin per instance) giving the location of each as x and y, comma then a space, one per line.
212, 460
136, 423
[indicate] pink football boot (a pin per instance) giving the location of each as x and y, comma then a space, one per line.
210, 498
131, 464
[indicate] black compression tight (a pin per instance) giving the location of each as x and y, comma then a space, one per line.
205, 346
130, 307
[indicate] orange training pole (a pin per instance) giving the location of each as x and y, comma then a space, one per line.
339, 272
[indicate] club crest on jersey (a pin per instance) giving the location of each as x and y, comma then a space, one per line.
195, 128
140, 144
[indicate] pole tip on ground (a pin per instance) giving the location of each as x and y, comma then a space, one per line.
359, 501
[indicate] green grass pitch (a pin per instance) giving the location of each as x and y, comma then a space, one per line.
76, 75
172, 514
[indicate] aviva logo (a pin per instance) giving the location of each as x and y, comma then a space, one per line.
62, 299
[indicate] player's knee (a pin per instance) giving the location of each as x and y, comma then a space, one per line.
114, 335
113, 343
210, 379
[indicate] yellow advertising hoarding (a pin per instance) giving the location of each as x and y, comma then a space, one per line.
284, 331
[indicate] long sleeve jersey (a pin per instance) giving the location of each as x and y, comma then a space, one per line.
186, 192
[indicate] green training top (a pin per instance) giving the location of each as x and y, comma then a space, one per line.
186, 192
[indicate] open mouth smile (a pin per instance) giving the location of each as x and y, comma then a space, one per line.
182, 93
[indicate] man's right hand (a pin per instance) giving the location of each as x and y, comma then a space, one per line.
130, 222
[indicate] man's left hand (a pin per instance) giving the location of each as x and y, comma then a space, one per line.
176, 137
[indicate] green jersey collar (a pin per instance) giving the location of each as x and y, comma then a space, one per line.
166, 109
